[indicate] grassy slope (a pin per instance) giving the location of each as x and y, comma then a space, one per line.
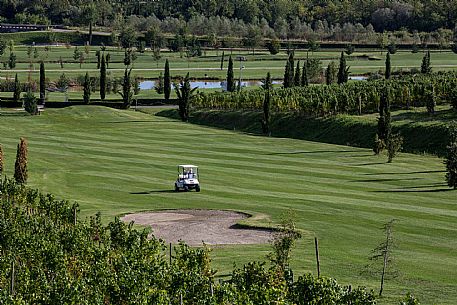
124, 161
422, 133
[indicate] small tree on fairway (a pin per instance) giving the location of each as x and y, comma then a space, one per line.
12, 60
2, 166
185, 96
159, 84
30, 103
283, 243
394, 145
384, 252
304, 75
86, 88
388, 66
267, 86
17, 89
127, 94
42, 83
230, 76
273, 46
167, 81
426, 66
103, 78
343, 71
451, 158
20, 168
349, 49
297, 75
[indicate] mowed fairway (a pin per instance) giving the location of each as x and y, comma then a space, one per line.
124, 161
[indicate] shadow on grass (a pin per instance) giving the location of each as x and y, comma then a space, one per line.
415, 191
424, 186
153, 192
409, 173
132, 121
313, 152
387, 180
368, 164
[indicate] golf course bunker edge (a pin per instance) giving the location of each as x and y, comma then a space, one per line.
213, 227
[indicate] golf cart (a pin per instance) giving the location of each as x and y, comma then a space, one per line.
187, 178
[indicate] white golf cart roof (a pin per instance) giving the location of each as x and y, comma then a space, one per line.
187, 166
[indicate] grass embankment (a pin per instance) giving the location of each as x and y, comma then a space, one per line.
422, 132
118, 162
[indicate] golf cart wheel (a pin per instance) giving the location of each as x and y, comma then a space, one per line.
186, 188
176, 188
197, 188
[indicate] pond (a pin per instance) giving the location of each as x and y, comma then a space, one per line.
213, 84
216, 84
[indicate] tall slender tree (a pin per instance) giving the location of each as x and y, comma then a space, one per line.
17, 89
426, 67
230, 76
42, 83
267, 86
127, 94
167, 81
20, 168
388, 66
384, 123
103, 78
86, 88
304, 74
185, 96
222, 60
330, 73
297, 80
289, 72
2, 165
451, 158
343, 71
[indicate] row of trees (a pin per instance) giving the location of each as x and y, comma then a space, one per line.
50, 256
423, 15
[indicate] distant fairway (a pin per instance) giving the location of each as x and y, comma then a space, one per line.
123, 161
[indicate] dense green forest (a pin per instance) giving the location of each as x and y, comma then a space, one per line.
282, 17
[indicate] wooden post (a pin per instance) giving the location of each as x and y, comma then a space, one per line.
317, 257
212, 289
180, 298
12, 279
170, 253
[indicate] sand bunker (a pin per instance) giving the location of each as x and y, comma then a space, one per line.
196, 226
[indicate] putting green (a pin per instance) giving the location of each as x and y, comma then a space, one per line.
120, 162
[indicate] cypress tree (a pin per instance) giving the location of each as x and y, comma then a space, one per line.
330, 73
20, 168
388, 66
222, 60
426, 67
289, 72
98, 54
304, 75
126, 93
167, 81
17, 89
42, 83
451, 158
230, 76
103, 78
384, 123
2, 168
267, 86
297, 75
86, 88
343, 71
